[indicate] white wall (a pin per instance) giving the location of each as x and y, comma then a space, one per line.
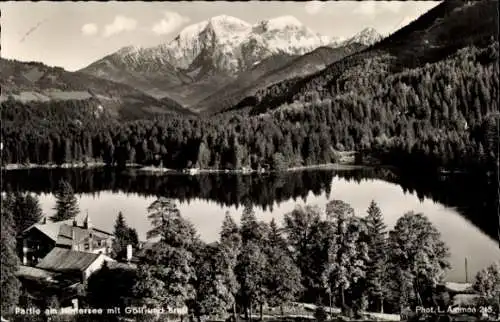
96, 265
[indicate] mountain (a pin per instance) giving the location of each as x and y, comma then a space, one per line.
206, 56
440, 32
274, 70
36, 82
140, 68
367, 37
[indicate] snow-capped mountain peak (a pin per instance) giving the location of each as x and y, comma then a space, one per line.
282, 22
234, 44
367, 36
225, 44
192, 31
129, 50
228, 22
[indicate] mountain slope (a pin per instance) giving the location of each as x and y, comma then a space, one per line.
206, 56
33, 81
438, 33
251, 82
367, 37
139, 68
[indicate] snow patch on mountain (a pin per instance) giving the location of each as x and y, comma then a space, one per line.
228, 44
367, 36
282, 22
222, 44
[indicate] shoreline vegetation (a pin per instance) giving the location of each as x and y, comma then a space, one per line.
346, 161
192, 171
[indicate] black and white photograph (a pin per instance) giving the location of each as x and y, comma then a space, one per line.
244, 161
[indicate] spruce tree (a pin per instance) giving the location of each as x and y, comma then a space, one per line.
124, 236
377, 253
229, 248
9, 284
249, 226
250, 272
66, 203
282, 276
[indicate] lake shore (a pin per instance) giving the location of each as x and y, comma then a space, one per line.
9, 167
192, 171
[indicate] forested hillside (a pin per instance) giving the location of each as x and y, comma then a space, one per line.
442, 114
438, 114
440, 32
37, 83
271, 71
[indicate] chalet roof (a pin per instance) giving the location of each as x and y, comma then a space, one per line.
35, 273
118, 265
51, 229
80, 235
66, 260
63, 230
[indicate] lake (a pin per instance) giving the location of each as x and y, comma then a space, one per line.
453, 204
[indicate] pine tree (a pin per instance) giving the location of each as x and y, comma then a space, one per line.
167, 273
124, 236
9, 284
283, 279
249, 225
377, 247
229, 247
251, 276
161, 212
66, 203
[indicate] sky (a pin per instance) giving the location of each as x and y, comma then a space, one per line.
74, 34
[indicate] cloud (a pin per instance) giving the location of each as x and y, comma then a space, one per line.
89, 29
171, 21
314, 7
120, 24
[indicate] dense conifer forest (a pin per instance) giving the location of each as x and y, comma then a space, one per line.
443, 114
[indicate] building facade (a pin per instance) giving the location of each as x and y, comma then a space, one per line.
39, 239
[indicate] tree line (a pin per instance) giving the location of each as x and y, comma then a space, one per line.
442, 114
331, 257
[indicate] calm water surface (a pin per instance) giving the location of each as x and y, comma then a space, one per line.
205, 208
